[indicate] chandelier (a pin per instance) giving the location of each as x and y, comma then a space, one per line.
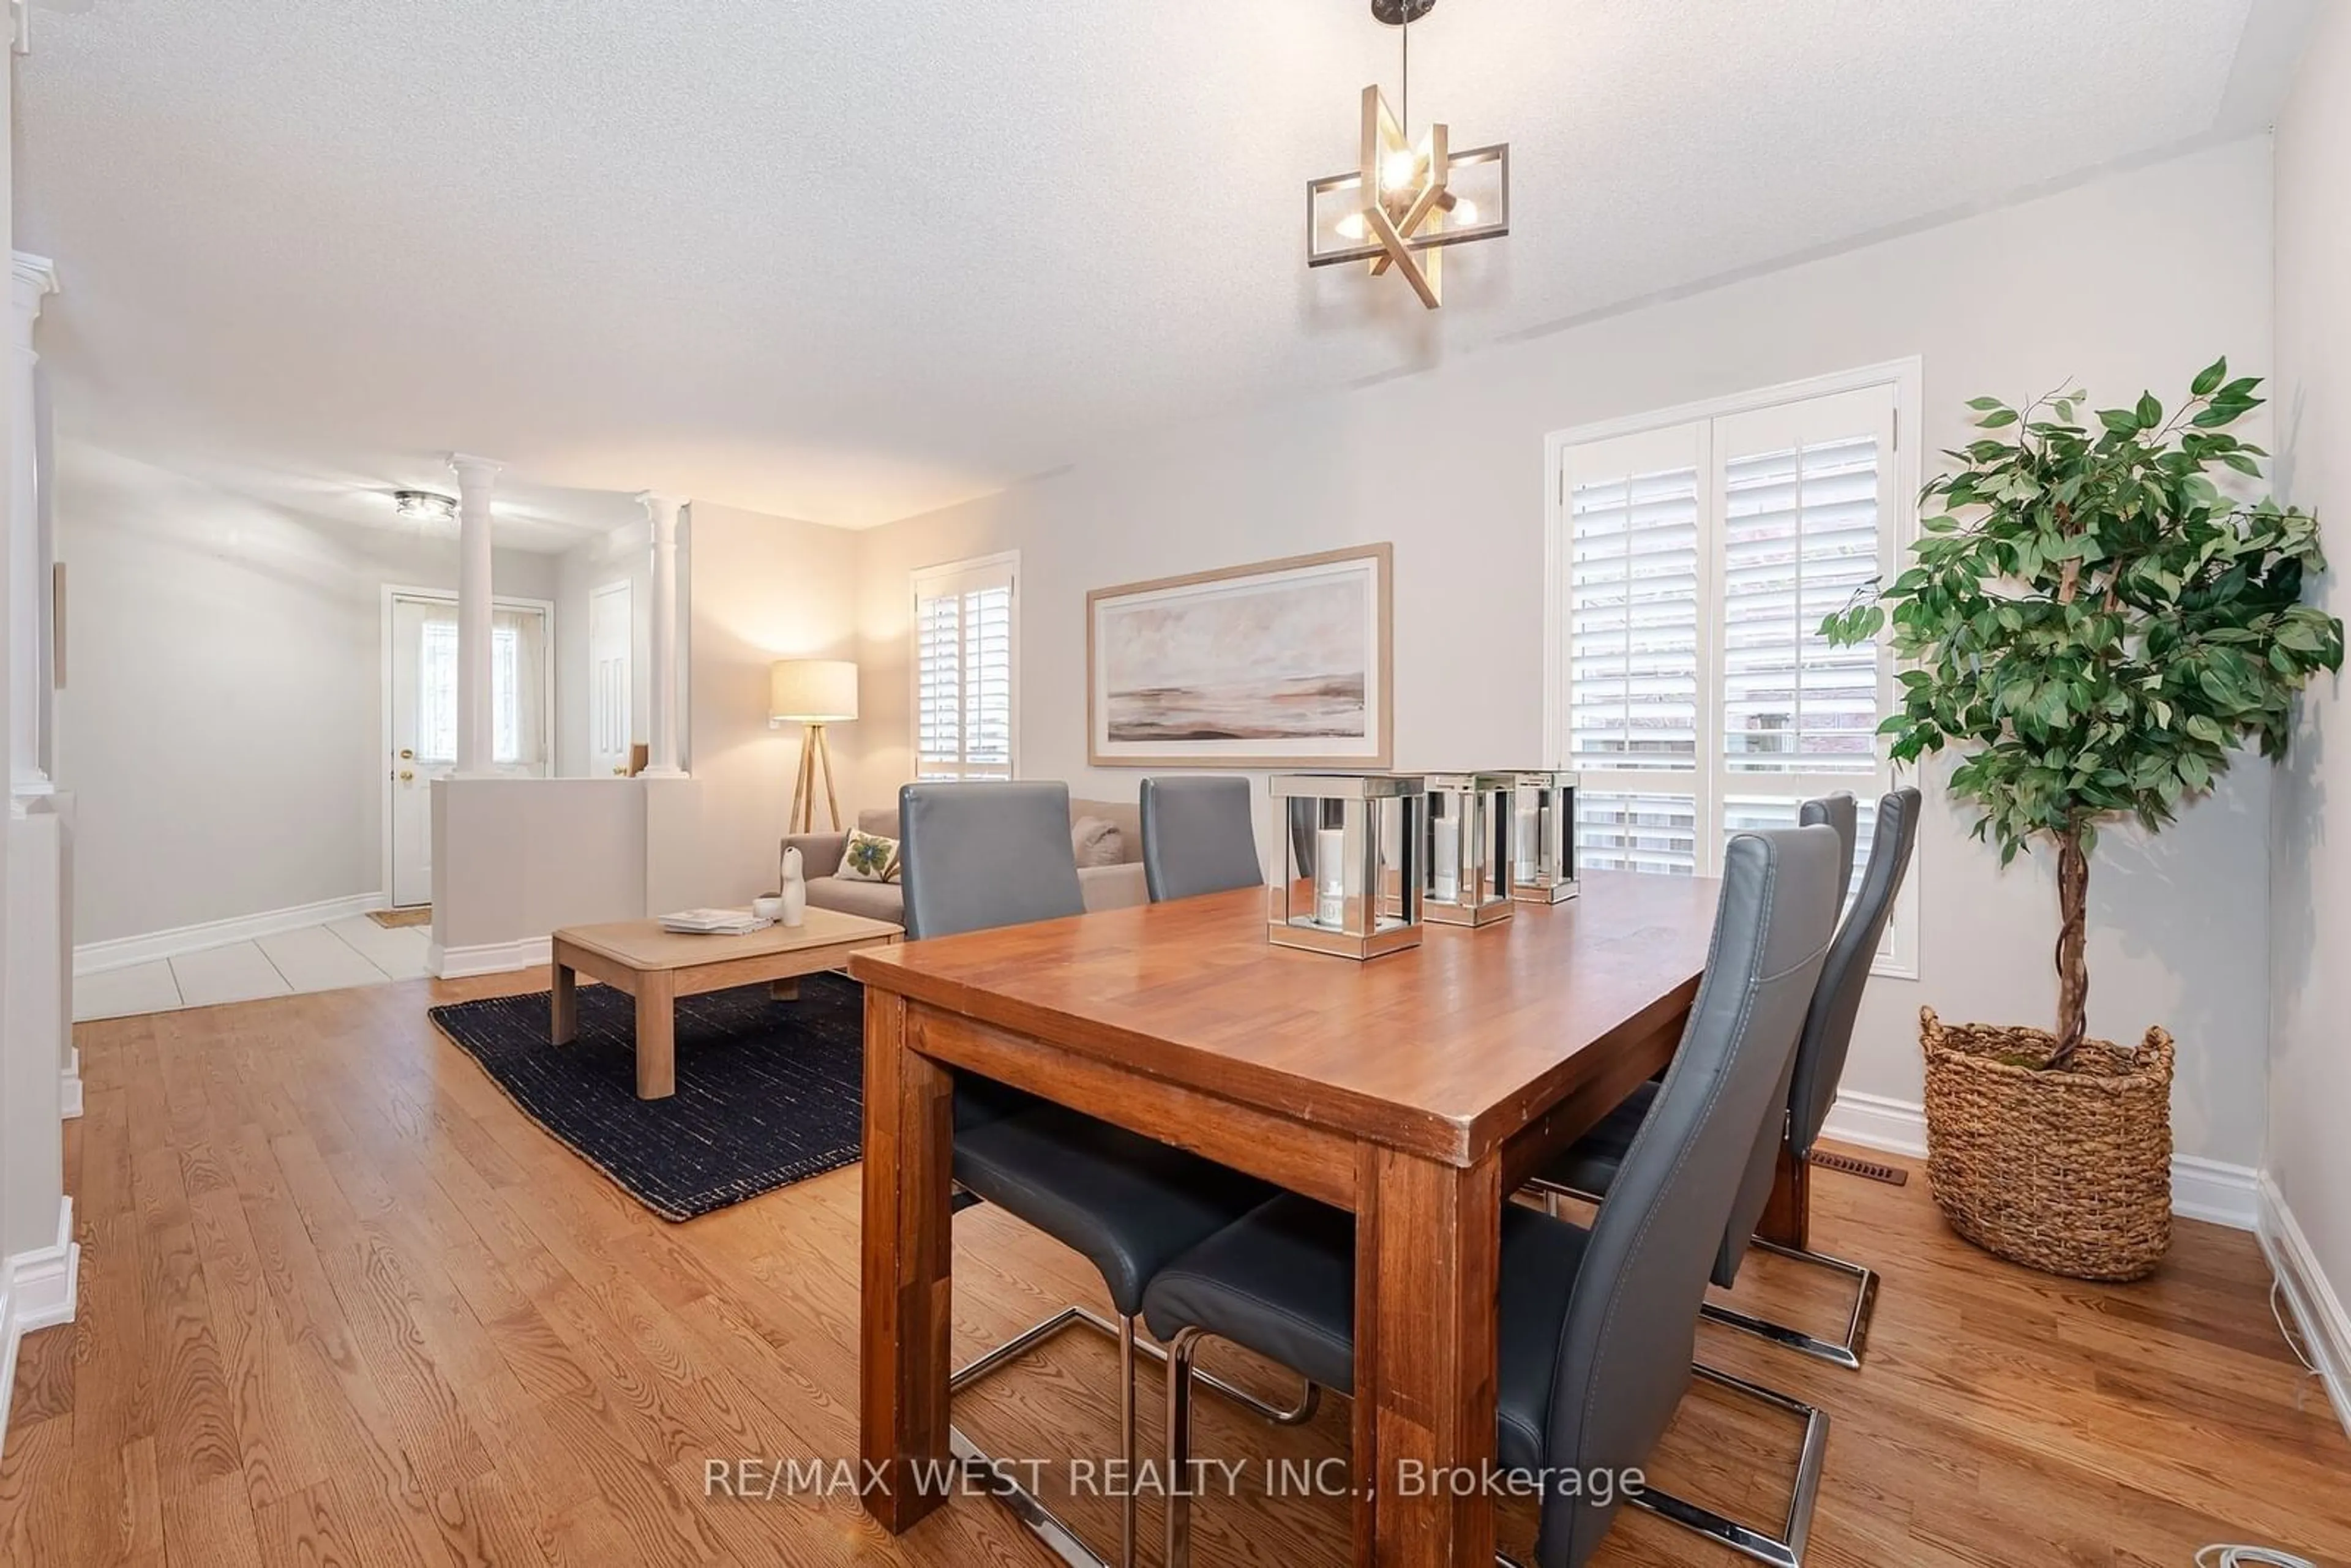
1407, 201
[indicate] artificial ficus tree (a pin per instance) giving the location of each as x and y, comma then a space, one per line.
2094, 627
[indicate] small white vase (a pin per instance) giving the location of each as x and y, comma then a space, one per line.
795, 892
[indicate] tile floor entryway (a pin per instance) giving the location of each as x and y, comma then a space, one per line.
354, 951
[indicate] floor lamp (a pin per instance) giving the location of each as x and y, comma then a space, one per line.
815, 692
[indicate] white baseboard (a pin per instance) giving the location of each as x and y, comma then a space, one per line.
488, 959
1874, 1122
2316, 1310
69, 1087
2200, 1188
2212, 1190
121, 952
39, 1290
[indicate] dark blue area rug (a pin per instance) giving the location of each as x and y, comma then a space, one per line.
768, 1092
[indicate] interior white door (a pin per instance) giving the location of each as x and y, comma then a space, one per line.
424, 736
611, 623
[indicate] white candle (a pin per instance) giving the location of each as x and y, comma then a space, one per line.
1446, 878
1330, 876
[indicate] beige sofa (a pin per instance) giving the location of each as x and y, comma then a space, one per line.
1104, 886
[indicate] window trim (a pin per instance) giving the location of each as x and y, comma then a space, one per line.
1906, 378
923, 581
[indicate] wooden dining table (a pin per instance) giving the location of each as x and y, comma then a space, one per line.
1419, 1090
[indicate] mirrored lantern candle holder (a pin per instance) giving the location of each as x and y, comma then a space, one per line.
1542, 838
1470, 817
1352, 848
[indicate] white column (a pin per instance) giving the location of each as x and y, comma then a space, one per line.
475, 476
33, 280
661, 761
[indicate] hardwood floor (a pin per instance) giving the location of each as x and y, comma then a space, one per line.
341, 1302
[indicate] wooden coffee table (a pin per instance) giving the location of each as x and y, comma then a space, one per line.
657, 967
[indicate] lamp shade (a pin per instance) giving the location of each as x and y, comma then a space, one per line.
812, 691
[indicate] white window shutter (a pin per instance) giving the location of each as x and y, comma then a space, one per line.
1635, 647
1803, 528
1698, 699
965, 671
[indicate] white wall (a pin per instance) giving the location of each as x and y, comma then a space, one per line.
2310, 892
32, 1174
37, 851
222, 720
37, 1256
763, 589
2090, 283
513, 859
757, 589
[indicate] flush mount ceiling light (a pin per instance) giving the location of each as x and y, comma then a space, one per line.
425, 506
1407, 201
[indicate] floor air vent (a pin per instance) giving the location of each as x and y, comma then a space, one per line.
1890, 1175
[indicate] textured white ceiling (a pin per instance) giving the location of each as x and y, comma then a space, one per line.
852, 260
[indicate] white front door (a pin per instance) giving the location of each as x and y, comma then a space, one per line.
611, 627
424, 735
424, 702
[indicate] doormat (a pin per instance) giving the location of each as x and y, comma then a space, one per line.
396, 918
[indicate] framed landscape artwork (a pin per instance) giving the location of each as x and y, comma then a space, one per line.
1284, 664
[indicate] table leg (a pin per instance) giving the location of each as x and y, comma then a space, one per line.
1788, 1216
783, 991
1427, 1262
656, 1035
906, 1309
563, 1026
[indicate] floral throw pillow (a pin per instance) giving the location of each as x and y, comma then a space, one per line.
868, 857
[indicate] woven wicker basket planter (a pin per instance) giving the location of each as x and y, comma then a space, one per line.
2067, 1172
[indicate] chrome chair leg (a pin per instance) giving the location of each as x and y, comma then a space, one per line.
1845, 1352
1310, 1400
1553, 1191
1181, 1353
1785, 1550
1003, 1483
1127, 1450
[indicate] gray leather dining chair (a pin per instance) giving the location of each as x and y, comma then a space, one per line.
1821, 1056
1584, 1171
975, 856
1198, 837
1595, 1326
1838, 812
1587, 1169
980, 855
1595, 1155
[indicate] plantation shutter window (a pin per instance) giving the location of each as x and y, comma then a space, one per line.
1632, 627
1695, 694
966, 642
